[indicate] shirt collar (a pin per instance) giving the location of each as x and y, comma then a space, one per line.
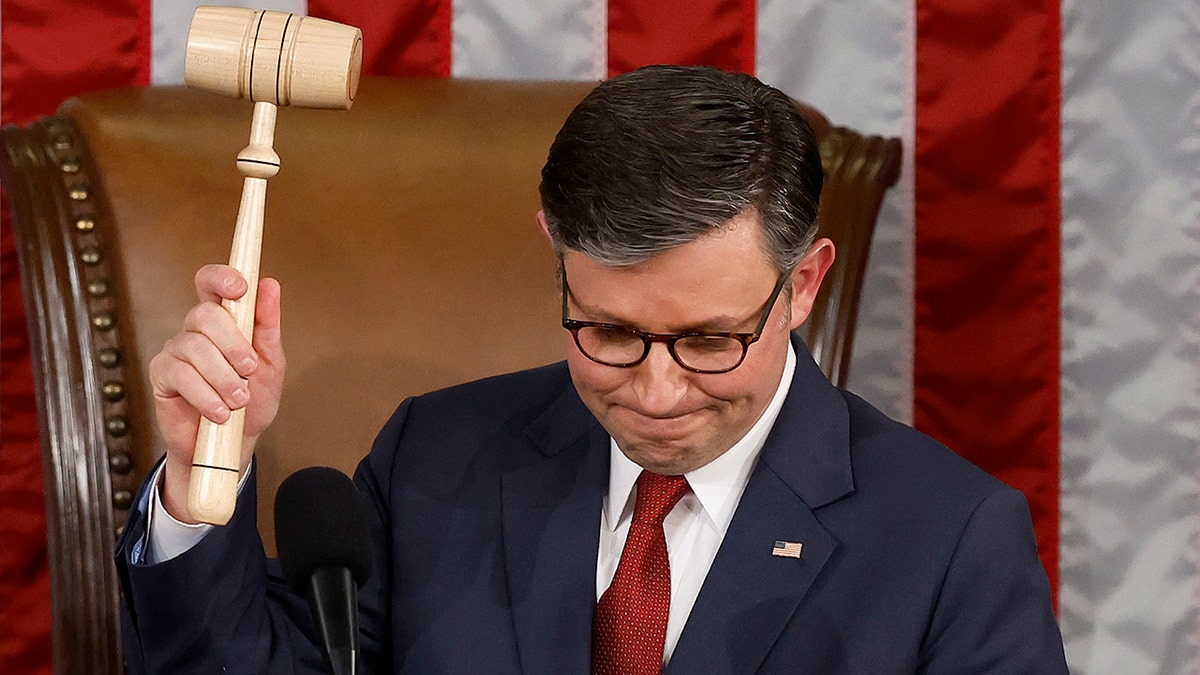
718, 485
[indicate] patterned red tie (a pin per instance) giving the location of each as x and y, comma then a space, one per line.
630, 625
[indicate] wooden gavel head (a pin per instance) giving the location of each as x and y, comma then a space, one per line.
275, 57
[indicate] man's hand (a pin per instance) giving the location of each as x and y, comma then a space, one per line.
208, 368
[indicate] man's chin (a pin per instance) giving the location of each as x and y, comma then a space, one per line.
666, 457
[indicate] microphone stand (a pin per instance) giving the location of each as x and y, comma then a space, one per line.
333, 599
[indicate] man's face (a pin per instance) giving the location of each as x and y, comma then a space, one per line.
665, 418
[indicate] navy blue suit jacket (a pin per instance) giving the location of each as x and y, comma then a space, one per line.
486, 503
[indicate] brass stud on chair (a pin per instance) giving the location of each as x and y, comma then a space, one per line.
62, 142
122, 499
71, 164
97, 288
79, 192
91, 256
104, 321
113, 391
117, 426
120, 463
85, 223
109, 357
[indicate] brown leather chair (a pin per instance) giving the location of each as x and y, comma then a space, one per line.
403, 232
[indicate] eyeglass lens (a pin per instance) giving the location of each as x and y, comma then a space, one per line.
616, 346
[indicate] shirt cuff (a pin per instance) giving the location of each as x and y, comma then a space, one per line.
169, 537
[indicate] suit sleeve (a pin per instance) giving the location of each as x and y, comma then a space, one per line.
218, 607
994, 613
222, 606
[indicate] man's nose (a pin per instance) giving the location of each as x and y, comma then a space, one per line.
659, 382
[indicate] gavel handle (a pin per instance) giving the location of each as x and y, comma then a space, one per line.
217, 461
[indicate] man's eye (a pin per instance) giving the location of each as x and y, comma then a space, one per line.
614, 335
710, 344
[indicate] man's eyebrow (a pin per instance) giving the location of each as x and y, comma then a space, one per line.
717, 324
593, 312
721, 323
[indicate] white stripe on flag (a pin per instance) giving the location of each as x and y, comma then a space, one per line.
1130, 359
169, 22
853, 60
528, 39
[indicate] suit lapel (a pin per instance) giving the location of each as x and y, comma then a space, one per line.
749, 594
551, 512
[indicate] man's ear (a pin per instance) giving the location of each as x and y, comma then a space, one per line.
541, 218
807, 278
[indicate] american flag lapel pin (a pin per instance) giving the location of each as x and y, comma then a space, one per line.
787, 549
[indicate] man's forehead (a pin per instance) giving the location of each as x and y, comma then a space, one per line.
703, 299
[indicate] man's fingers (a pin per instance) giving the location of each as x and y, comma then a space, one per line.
215, 283
268, 341
213, 323
196, 370
193, 391
267, 312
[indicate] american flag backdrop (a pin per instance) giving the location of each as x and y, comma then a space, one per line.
1034, 286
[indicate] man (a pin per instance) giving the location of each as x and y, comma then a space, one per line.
686, 491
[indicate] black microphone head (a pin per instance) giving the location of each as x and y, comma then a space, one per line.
320, 522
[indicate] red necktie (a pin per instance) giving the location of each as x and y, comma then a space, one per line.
630, 625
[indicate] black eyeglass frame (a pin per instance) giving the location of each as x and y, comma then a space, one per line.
669, 339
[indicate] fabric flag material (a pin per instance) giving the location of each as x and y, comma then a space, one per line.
1032, 294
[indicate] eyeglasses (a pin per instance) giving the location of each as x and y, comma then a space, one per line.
700, 352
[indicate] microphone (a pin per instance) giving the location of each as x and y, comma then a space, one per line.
325, 550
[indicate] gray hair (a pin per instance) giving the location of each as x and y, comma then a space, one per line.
661, 156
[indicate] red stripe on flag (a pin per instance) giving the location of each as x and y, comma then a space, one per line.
986, 362
50, 51
703, 32
44, 59
408, 38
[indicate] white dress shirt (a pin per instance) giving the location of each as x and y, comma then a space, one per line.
170, 537
696, 526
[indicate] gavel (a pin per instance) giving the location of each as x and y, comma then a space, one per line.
274, 59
